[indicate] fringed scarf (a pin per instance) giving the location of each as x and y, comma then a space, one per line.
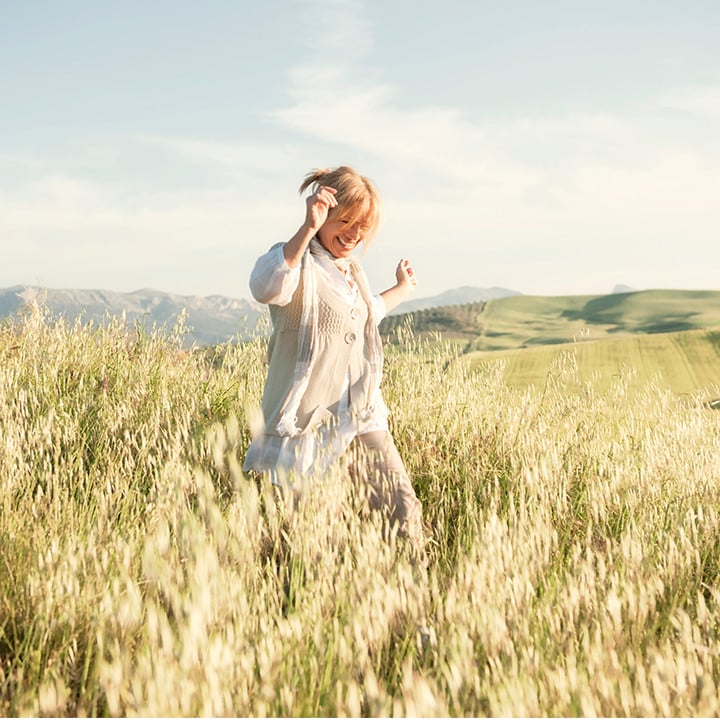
308, 333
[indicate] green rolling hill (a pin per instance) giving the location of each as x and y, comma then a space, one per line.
525, 320
671, 336
687, 362
522, 321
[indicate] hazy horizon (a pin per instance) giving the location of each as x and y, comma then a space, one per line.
619, 288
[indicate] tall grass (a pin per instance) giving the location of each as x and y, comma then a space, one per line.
573, 553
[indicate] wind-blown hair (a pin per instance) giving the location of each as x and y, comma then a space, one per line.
358, 199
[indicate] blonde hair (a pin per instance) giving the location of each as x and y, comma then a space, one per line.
358, 199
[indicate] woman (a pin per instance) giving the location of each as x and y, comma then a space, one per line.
322, 396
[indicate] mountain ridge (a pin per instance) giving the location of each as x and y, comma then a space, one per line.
211, 320
485, 318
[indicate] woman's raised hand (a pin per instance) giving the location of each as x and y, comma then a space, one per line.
403, 288
405, 274
318, 206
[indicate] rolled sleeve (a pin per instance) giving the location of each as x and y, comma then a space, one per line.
379, 310
272, 280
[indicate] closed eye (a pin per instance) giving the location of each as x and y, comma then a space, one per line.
361, 226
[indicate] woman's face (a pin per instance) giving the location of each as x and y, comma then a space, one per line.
340, 238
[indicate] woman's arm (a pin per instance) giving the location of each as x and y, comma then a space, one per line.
276, 274
403, 288
272, 280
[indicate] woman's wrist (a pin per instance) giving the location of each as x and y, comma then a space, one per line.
405, 288
296, 245
308, 227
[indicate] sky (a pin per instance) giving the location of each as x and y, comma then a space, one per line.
560, 147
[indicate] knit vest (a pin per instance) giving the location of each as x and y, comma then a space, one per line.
341, 352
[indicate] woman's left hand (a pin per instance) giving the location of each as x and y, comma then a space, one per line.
405, 274
403, 288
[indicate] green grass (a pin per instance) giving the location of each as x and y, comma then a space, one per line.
685, 362
573, 553
664, 336
527, 321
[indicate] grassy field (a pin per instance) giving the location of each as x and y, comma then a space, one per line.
573, 542
527, 321
522, 321
686, 362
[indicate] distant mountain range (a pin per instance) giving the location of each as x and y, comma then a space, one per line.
211, 320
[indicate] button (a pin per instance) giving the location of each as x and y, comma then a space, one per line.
350, 338
355, 313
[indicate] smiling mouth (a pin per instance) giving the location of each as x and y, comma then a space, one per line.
348, 244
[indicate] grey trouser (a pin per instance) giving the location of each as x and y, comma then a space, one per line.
376, 461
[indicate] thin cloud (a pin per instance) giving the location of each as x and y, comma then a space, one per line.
337, 29
591, 174
238, 161
699, 101
518, 199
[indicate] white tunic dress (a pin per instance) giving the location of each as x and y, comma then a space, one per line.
274, 282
